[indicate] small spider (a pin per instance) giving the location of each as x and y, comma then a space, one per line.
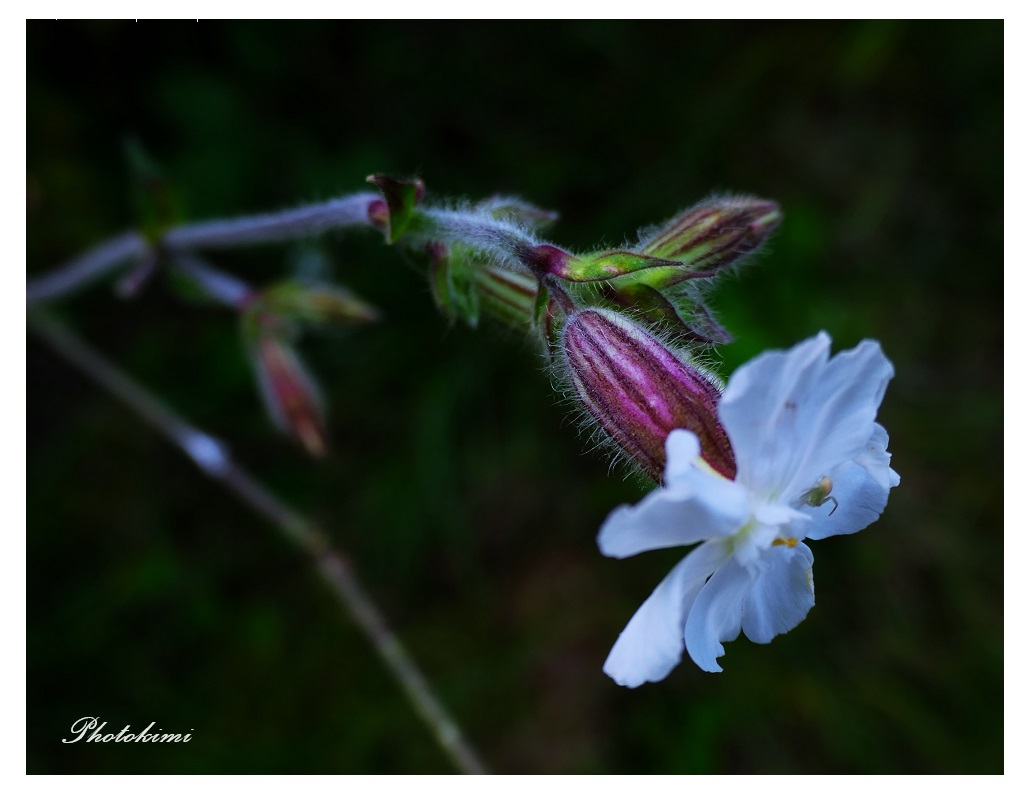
820, 494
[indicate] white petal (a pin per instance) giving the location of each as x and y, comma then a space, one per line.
859, 497
651, 644
682, 448
877, 460
716, 615
792, 416
697, 504
781, 594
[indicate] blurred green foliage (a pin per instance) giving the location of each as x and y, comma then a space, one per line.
457, 481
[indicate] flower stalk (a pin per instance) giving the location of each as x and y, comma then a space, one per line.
307, 221
215, 284
108, 256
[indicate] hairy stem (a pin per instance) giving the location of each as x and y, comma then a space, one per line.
220, 286
104, 258
301, 222
271, 227
213, 458
505, 241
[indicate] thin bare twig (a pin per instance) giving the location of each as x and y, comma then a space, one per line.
213, 458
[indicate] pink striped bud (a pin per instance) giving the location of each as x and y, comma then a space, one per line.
714, 234
638, 390
289, 392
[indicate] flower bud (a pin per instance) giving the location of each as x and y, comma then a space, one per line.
695, 244
291, 397
638, 390
713, 234
315, 304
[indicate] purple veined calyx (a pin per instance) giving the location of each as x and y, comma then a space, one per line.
638, 389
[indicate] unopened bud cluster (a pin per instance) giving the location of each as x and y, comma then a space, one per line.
630, 371
637, 384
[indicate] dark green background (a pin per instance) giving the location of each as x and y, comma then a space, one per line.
457, 481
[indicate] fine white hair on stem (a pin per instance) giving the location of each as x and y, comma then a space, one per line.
510, 243
302, 221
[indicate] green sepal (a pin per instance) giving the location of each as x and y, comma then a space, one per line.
285, 309
440, 281
541, 304
451, 274
685, 315
660, 277
316, 304
401, 197
464, 288
507, 296
616, 264
551, 309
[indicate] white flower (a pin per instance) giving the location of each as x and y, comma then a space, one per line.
811, 463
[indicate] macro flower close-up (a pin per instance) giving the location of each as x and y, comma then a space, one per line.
811, 463
402, 400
